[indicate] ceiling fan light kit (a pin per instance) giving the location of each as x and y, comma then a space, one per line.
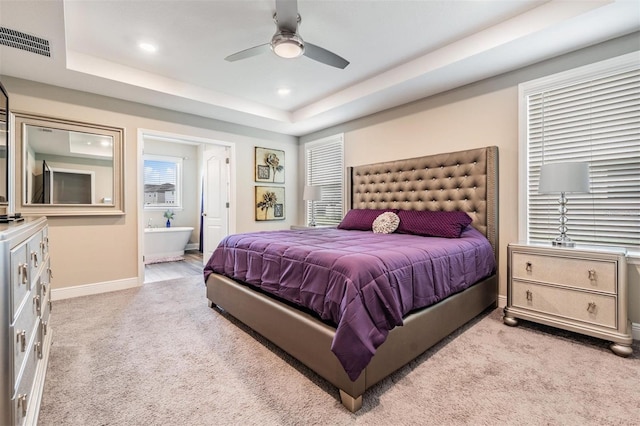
287, 46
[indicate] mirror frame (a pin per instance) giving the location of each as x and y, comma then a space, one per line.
23, 119
6, 137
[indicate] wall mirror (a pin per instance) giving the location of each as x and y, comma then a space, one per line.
4, 147
68, 168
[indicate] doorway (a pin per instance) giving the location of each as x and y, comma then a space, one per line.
198, 198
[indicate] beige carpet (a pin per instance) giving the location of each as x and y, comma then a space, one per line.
157, 355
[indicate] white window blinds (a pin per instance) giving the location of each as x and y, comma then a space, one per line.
588, 115
324, 161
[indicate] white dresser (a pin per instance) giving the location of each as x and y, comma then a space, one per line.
25, 306
583, 290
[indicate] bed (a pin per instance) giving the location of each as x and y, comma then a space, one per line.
460, 181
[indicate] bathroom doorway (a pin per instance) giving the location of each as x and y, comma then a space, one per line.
185, 188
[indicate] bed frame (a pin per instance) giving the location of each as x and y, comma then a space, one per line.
465, 180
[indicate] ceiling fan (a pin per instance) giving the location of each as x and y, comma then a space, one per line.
287, 43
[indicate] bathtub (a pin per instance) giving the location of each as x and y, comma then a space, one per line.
165, 242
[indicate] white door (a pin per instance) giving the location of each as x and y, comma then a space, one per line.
215, 223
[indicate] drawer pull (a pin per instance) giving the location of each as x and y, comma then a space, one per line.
43, 248
36, 301
592, 274
38, 349
34, 258
591, 308
529, 295
50, 272
22, 403
529, 267
21, 337
44, 327
44, 289
22, 270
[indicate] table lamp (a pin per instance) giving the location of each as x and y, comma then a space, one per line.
312, 193
563, 178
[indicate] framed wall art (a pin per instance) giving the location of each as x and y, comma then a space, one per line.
269, 165
269, 203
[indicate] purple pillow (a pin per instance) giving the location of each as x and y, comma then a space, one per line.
362, 219
433, 223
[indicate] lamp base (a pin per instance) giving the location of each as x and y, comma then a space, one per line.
563, 242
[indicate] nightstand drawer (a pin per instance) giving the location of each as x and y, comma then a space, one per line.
598, 309
575, 272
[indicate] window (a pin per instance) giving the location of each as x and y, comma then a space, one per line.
324, 160
162, 182
590, 114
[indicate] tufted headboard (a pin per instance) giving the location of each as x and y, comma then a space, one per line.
464, 180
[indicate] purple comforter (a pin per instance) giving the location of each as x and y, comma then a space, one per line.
362, 282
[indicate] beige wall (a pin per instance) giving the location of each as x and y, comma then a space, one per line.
98, 250
480, 114
433, 130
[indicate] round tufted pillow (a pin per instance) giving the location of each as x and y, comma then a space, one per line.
386, 223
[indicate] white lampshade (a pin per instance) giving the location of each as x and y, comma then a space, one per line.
564, 177
312, 193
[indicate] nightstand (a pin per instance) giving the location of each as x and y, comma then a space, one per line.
583, 290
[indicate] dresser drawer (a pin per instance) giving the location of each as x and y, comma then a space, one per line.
45, 295
23, 334
19, 285
35, 250
22, 398
46, 312
592, 308
44, 244
575, 272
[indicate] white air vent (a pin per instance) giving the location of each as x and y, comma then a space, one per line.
23, 41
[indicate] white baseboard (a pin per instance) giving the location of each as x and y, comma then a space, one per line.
192, 246
502, 301
95, 288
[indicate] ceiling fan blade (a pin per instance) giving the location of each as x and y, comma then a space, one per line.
248, 53
287, 15
319, 54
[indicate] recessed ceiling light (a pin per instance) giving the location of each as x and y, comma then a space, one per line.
284, 91
148, 47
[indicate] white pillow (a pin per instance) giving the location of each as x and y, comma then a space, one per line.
386, 223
